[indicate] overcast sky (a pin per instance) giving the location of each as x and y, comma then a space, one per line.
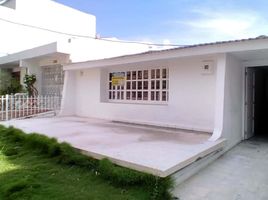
177, 21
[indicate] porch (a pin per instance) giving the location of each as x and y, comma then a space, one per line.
159, 151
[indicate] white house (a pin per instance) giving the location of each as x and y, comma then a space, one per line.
39, 36
219, 88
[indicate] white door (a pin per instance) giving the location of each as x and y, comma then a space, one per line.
250, 102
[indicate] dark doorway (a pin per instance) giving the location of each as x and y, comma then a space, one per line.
257, 101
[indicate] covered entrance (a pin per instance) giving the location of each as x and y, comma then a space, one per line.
256, 102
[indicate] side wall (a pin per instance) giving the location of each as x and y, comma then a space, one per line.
191, 98
233, 101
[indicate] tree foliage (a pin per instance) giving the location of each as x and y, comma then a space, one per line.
29, 81
9, 84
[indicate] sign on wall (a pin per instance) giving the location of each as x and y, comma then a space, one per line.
118, 78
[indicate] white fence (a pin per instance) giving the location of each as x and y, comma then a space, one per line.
21, 106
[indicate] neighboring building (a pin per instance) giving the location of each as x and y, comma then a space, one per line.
38, 36
216, 87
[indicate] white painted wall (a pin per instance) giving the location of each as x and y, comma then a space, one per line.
191, 100
68, 95
46, 14
229, 104
233, 101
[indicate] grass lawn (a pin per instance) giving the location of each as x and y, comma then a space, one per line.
28, 173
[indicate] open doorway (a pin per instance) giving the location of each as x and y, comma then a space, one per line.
256, 102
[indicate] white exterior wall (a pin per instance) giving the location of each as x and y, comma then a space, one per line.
190, 106
233, 101
46, 14
69, 89
229, 104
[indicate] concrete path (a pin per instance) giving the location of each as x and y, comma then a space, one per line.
240, 174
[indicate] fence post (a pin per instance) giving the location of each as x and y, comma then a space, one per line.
7, 96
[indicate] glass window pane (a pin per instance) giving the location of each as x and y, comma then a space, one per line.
164, 73
128, 95
128, 75
158, 73
134, 75
152, 73
139, 85
158, 85
139, 96
139, 74
110, 85
110, 95
152, 85
110, 76
164, 96
118, 95
145, 74
122, 95
133, 96
164, 84
133, 85
145, 85
145, 96
128, 85
157, 96
152, 96
118, 87
113, 95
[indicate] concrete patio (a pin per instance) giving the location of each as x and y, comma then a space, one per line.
158, 151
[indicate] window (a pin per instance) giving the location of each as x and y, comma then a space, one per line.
139, 85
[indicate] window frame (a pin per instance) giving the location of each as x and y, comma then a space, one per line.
149, 91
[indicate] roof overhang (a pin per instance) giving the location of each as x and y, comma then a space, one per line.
181, 52
36, 52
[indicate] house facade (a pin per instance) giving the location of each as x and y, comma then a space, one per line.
38, 37
208, 87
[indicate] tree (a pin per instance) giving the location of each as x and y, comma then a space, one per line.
29, 81
8, 84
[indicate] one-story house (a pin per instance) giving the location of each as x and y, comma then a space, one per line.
218, 87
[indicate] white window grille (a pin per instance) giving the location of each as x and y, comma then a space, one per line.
140, 86
52, 80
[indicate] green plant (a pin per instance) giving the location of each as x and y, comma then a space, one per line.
9, 84
29, 81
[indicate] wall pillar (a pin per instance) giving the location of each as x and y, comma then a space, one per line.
68, 94
219, 100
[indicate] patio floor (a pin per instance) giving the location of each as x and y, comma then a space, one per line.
154, 150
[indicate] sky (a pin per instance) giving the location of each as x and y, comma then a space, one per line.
181, 22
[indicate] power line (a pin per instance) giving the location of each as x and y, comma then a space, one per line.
89, 37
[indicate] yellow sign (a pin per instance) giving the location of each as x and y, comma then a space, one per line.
118, 79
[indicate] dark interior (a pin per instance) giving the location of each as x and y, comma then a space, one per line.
261, 102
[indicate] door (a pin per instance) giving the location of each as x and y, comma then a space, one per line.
250, 81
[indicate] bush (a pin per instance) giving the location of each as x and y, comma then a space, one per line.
8, 84
63, 153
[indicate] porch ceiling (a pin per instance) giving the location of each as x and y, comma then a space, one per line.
157, 151
245, 56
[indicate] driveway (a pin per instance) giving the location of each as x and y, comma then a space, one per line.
240, 174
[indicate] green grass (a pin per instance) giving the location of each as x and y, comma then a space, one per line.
36, 167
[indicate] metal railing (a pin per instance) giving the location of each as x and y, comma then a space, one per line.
22, 106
